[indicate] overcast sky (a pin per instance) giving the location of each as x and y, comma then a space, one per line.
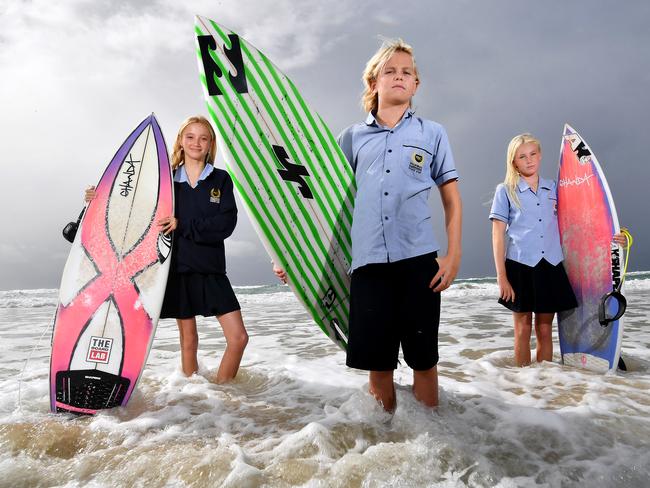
77, 76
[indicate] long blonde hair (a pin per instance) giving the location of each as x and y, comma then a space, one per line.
177, 151
511, 180
369, 98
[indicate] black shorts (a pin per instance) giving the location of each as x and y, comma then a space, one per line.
542, 288
392, 304
191, 294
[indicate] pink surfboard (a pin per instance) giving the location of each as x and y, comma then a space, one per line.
587, 220
114, 280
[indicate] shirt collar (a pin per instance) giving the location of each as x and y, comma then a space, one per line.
371, 120
181, 174
543, 183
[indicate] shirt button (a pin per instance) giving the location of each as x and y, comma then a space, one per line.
540, 220
538, 204
387, 171
390, 150
391, 132
385, 193
542, 252
385, 218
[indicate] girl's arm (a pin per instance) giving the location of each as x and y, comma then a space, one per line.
449, 264
499, 250
620, 238
90, 194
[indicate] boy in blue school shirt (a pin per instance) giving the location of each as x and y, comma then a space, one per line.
397, 276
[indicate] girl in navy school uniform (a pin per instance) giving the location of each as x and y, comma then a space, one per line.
206, 214
527, 250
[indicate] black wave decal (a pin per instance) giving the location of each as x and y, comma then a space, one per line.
292, 172
208, 44
582, 151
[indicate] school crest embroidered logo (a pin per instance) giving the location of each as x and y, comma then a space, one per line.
215, 195
417, 161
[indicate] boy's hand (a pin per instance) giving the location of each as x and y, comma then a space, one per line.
280, 273
446, 274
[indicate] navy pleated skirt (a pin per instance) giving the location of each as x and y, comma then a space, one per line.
542, 288
191, 294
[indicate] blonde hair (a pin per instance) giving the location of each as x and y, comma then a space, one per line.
369, 98
511, 180
177, 151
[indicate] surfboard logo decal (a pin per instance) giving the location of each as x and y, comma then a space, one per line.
579, 148
99, 350
212, 69
329, 298
128, 172
292, 172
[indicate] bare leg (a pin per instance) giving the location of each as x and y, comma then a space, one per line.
425, 386
544, 334
382, 388
189, 345
236, 340
523, 329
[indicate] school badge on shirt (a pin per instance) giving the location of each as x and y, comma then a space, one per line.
215, 195
417, 162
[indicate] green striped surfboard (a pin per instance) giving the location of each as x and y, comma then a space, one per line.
295, 182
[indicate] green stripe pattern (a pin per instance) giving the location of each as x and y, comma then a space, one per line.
308, 237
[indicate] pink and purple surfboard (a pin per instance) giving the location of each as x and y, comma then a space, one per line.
114, 280
587, 220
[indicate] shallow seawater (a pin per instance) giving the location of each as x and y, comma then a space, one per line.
297, 416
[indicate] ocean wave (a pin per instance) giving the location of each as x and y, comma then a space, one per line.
465, 287
29, 298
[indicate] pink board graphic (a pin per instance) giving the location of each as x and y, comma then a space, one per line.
587, 220
114, 280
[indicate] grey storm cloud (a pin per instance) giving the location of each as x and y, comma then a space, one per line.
79, 75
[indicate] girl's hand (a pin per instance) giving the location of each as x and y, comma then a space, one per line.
446, 274
280, 273
168, 224
620, 238
505, 289
90, 194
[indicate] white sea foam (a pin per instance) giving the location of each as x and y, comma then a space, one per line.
296, 416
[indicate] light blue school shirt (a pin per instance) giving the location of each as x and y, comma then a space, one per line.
532, 230
394, 171
181, 174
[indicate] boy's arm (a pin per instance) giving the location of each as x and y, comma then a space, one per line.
449, 264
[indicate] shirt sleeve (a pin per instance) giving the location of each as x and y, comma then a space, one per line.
500, 205
218, 227
443, 168
344, 141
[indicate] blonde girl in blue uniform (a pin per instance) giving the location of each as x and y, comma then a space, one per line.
527, 251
